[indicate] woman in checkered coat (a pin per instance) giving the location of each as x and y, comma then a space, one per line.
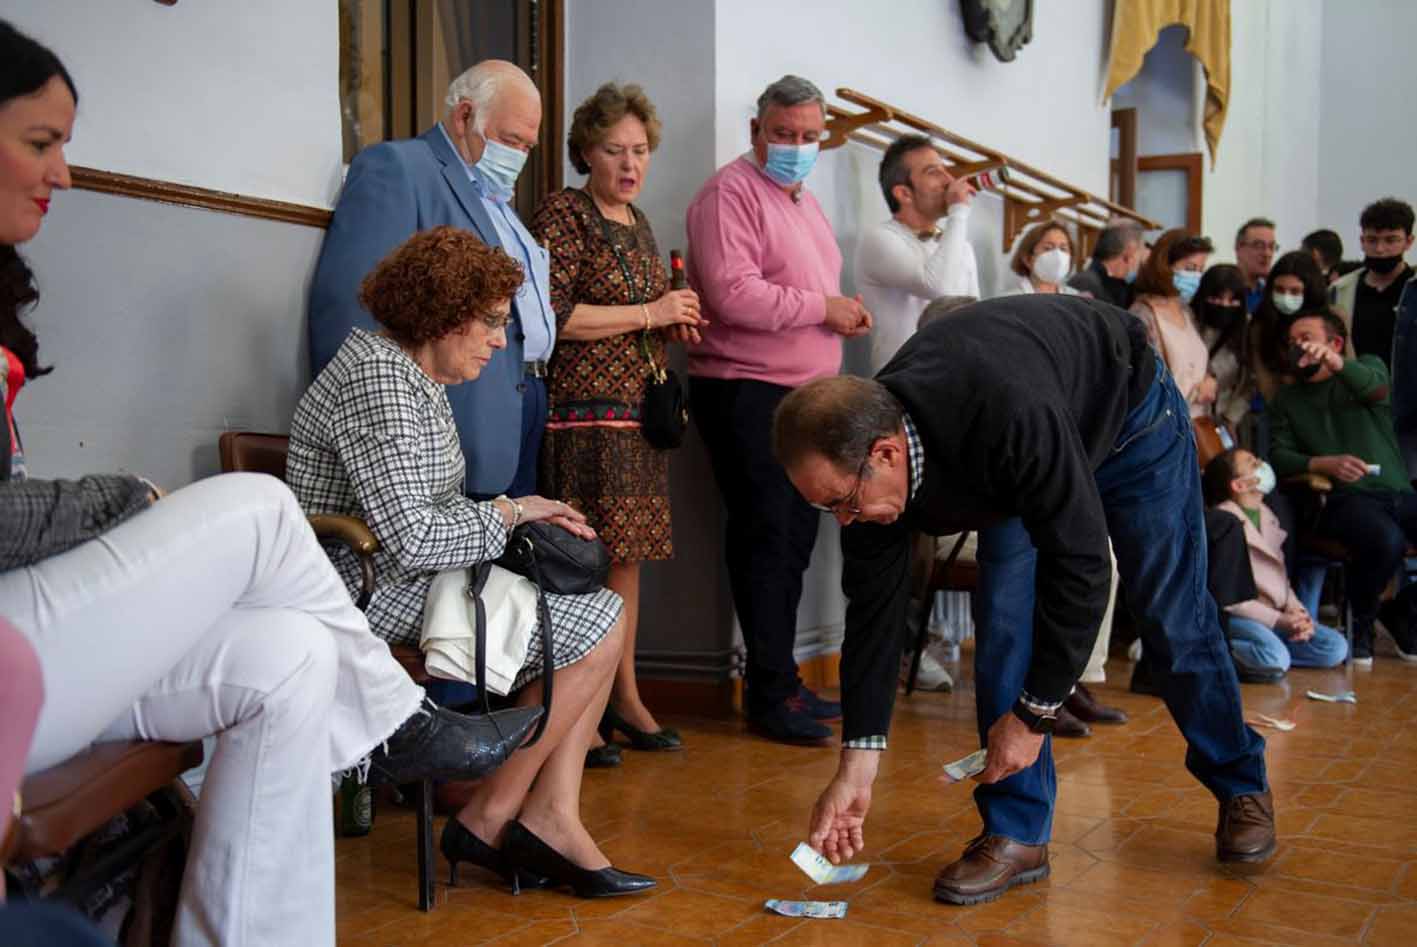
374, 437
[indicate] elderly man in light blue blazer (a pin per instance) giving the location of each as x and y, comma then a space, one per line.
462, 172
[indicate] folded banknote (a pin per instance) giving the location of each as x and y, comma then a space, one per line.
821, 870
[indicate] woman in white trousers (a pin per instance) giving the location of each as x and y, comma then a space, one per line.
212, 611
217, 612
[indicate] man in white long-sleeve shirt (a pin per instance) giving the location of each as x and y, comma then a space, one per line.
905, 262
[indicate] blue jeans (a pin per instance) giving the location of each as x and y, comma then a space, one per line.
1258, 647
1150, 490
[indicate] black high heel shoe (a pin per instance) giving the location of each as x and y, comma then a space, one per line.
523, 850
666, 738
460, 845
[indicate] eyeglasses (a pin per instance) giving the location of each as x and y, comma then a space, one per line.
846, 504
1260, 245
494, 320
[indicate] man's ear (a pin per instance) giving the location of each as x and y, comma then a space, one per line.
903, 194
889, 450
1339, 343
464, 116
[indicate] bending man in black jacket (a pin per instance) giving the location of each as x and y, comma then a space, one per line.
1052, 409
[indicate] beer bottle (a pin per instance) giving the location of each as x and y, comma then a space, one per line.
354, 814
677, 279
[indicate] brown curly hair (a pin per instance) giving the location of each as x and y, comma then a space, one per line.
436, 282
598, 114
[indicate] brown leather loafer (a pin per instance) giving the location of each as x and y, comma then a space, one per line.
990, 865
1085, 707
1245, 831
1069, 726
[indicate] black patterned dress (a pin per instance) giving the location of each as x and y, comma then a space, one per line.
594, 456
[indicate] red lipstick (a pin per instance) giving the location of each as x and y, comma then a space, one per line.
43, 204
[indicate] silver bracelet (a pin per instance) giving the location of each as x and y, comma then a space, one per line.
516, 510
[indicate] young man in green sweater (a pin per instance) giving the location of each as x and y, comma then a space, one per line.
1337, 421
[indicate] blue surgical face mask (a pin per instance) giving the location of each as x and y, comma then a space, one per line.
1264, 475
1186, 283
499, 167
1131, 277
789, 164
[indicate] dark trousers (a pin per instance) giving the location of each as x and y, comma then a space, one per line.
1376, 528
1150, 490
770, 531
533, 427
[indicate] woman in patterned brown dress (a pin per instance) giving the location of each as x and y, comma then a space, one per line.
614, 313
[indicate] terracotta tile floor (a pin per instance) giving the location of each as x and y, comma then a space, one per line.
1132, 851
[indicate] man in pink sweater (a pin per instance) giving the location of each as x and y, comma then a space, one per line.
766, 266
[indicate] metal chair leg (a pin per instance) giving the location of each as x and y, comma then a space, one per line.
426, 893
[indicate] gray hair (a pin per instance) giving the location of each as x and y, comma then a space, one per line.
481, 85
943, 306
1113, 241
789, 91
838, 418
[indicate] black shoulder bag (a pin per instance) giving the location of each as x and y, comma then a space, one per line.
664, 411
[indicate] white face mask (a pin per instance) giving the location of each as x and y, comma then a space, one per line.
1288, 303
1052, 266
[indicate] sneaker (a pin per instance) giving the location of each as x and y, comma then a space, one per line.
789, 722
818, 708
1362, 654
1393, 619
932, 675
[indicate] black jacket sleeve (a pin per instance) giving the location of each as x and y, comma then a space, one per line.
875, 576
1040, 462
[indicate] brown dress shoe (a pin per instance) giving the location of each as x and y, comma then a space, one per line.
1085, 707
1245, 831
990, 865
1070, 726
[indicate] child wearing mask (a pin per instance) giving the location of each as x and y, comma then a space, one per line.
1275, 630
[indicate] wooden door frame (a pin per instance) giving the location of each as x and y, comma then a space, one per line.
1194, 167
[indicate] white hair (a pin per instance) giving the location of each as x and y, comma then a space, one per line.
481, 84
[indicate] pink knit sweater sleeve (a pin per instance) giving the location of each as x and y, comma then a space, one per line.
727, 240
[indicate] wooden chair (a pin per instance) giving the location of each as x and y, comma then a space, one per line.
250, 452
63, 805
942, 571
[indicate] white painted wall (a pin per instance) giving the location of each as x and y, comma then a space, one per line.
1041, 108
1368, 136
238, 97
1268, 164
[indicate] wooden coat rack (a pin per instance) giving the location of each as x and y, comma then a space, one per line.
1030, 196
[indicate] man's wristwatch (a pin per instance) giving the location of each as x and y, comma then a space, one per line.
1038, 719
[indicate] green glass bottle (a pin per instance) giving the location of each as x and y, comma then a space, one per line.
354, 810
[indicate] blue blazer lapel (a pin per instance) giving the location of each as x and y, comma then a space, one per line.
455, 173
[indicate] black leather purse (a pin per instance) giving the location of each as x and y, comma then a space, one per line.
664, 415
556, 560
